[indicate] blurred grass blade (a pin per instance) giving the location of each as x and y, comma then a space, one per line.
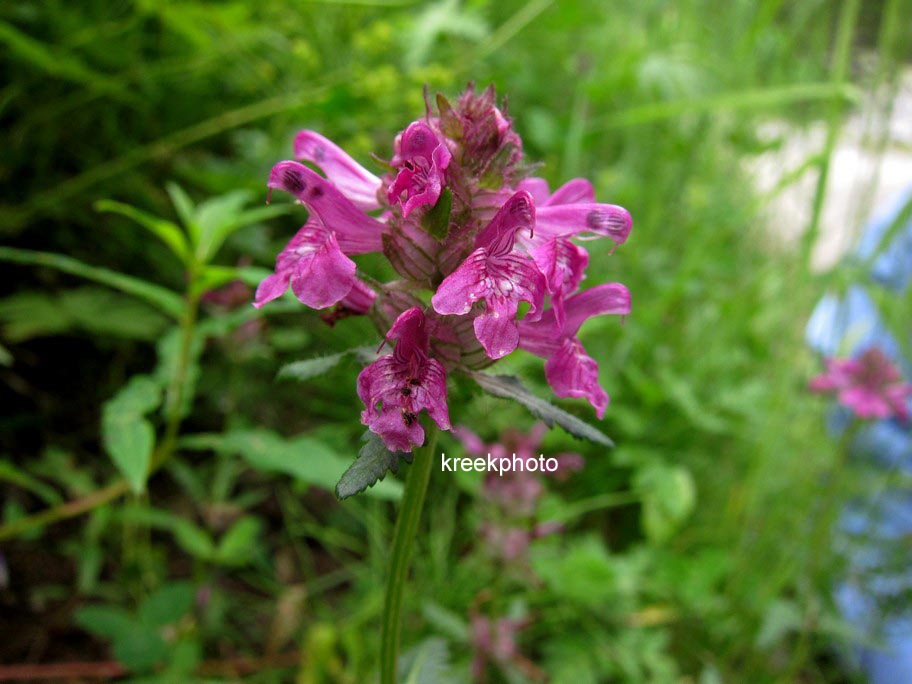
160, 297
20, 478
167, 232
66, 66
750, 99
512, 26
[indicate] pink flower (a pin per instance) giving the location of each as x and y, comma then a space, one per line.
397, 387
499, 276
351, 179
870, 385
422, 160
315, 261
569, 370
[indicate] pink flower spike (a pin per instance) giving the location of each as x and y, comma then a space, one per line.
397, 387
499, 276
356, 232
354, 181
422, 161
870, 385
313, 264
567, 220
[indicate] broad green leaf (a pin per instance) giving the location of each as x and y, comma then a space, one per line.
104, 621
310, 368
219, 217
94, 309
427, 663
668, 495
303, 458
127, 436
371, 466
140, 395
238, 545
32, 314
193, 539
594, 572
129, 440
167, 232
165, 300
437, 220
509, 387
141, 648
781, 617
167, 604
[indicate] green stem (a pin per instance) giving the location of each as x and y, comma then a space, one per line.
842, 55
406, 528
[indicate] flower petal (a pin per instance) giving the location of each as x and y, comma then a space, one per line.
356, 232
576, 191
516, 214
353, 180
272, 287
537, 187
572, 373
496, 327
323, 275
562, 263
566, 220
422, 160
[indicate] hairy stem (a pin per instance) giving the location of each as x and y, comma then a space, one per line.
406, 528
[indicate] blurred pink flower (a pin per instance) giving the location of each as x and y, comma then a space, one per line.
870, 385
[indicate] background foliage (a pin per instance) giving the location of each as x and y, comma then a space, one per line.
137, 140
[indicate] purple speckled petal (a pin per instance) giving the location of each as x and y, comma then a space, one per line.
572, 373
397, 387
599, 220
356, 232
354, 181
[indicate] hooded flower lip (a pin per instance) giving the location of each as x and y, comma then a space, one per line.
313, 264
397, 387
355, 231
870, 385
569, 370
422, 160
351, 179
501, 277
579, 219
